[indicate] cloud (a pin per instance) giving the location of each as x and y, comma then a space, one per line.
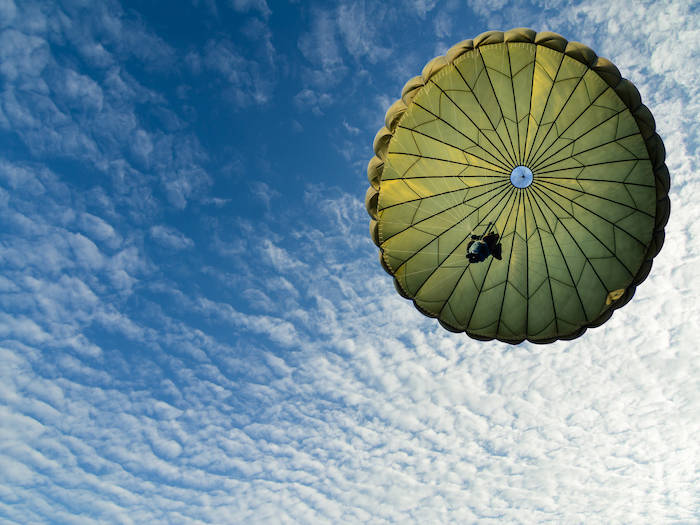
103, 33
320, 47
246, 81
8, 10
422, 7
264, 193
359, 30
22, 54
273, 374
251, 5
169, 237
310, 99
97, 117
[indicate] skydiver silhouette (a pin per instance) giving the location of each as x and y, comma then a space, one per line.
480, 247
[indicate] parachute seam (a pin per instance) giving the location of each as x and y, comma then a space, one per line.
540, 159
500, 109
546, 267
568, 270
589, 231
544, 108
421, 198
552, 124
601, 197
515, 105
585, 256
505, 161
413, 130
448, 255
468, 263
573, 201
446, 230
529, 111
510, 257
574, 155
486, 273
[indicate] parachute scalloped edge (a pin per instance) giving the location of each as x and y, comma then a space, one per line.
432, 67
381, 142
458, 50
375, 167
551, 40
410, 89
608, 71
581, 52
401, 291
383, 263
645, 121
489, 37
663, 181
643, 272
602, 318
449, 327
374, 232
394, 114
574, 335
663, 212
520, 34
629, 94
478, 337
511, 341
371, 198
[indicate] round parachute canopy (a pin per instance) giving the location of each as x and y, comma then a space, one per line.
519, 189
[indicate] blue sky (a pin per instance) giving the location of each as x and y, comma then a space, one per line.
194, 326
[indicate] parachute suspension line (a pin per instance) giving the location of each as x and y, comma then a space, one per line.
512, 244
491, 259
467, 267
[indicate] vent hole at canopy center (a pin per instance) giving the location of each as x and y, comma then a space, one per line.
521, 177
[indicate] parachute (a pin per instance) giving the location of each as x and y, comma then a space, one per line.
542, 142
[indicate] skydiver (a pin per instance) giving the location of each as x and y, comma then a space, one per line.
479, 248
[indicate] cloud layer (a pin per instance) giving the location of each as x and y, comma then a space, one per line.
184, 342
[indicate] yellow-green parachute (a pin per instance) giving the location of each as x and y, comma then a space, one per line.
541, 142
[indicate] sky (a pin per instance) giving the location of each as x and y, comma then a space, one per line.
194, 325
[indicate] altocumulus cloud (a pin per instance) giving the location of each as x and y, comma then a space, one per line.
181, 344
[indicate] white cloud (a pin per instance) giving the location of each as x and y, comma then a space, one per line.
317, 102
279, 258
264, 193
246, 81
359, 29
251, 5
422, 7
85, 252
22, 54
169, 237
320, 47
81, 91
93, 118
8, 10
99, 230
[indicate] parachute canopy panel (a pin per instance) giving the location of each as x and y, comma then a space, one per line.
541, 144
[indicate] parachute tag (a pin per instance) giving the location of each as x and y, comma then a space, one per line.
614, 296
